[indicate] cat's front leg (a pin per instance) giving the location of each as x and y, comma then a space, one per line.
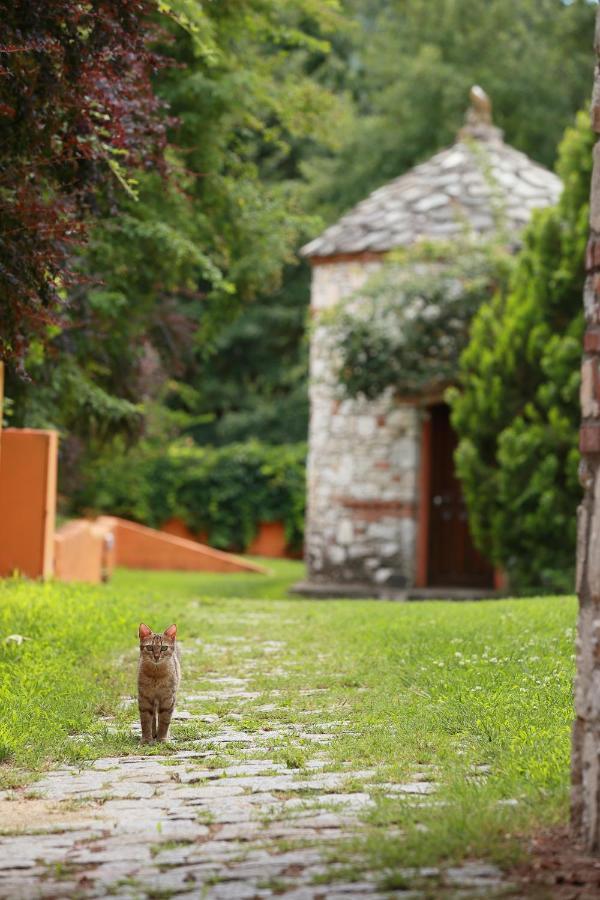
146, 720
165, 712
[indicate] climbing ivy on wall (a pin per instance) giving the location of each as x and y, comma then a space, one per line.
407, 327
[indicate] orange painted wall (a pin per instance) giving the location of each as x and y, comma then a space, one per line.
138, 547
83, 551
28, 462
269, 540
178, 528
1, 399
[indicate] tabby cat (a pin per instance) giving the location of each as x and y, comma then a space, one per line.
159, 673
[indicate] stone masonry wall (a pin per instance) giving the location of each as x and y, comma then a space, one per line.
586, 729
363, 462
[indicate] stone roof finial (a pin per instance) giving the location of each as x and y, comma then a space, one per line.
478, 120
480, 110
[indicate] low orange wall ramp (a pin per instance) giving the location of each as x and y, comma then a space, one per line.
139, 547
83, 551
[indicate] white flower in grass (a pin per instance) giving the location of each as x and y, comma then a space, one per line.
15, 639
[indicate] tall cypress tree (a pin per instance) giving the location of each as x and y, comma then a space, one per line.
516, 410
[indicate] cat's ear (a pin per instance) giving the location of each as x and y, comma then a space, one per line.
145, 632
171, 631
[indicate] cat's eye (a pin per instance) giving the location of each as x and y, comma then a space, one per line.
164, 648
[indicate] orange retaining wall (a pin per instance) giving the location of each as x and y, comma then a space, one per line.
80, 550
1, 401
88, 551
28, 462
178, 528
83, 551
139, 547
269, 540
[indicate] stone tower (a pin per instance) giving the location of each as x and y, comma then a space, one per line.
370, 505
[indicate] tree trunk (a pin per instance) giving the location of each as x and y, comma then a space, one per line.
585, 772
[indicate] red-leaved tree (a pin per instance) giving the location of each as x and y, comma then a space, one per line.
77, 112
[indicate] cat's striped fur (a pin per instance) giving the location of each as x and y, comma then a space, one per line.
159, 674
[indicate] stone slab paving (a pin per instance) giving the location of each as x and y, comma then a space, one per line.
182, 825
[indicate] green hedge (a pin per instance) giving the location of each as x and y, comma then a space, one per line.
225, 492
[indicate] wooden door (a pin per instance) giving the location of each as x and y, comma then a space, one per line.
453, 560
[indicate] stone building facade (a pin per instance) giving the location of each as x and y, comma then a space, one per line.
385, 512
363, 462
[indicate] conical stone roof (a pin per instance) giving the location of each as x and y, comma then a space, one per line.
477, 184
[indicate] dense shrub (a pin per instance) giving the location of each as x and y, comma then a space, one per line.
516, 410
223, 492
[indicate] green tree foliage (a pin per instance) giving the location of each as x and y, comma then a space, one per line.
410, 69
76, 109
166, 271
254, 384
407, 71
516, 411
191, 315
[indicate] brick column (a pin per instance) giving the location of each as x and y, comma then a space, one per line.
585, 772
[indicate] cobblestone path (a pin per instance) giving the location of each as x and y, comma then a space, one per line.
209, 822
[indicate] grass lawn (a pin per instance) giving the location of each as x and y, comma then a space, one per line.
447, 689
